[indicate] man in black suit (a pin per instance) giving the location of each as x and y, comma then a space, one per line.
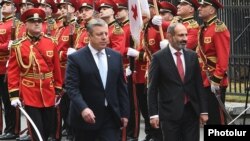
97, 89
176, 97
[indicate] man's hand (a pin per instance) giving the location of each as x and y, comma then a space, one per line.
215, 87
128, 71
88, 116
157, 20
132, 52
164, 43
203, 119
57, 100
154, 122
9, 44
16, 102
70, 51
124, 122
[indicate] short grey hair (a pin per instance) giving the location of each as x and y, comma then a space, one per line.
95, 22
171, 28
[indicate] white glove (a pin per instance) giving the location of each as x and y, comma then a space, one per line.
133, 52
164, 43
7, 64
57, 101
214, 88
157, 20
70, 51
9, 44
16, 102
128, 71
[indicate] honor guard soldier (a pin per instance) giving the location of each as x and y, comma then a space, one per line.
185, 15
58, 16
7, 35
49, 25
133, 127
167, 10
213, 51
24, 5
34, 73
108, 10
86, 11
186, 10
66, 36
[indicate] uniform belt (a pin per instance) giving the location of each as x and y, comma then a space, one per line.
4, 57
39, 75
4, 53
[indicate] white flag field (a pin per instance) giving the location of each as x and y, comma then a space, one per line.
137, 8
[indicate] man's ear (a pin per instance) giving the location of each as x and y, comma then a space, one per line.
169, 37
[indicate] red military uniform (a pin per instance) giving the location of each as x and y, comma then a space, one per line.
152, 38
116, 33
49, 26
5, 33
116, 37
63, 37
126, 29
63, 43
81, 38
34, 71
213, 51
192, 30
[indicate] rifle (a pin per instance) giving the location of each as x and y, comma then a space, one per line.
148, 52
13, 33
71, 42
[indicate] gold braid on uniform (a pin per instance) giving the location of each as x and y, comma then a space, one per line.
19, 57
117, 30
193, 24
220, 26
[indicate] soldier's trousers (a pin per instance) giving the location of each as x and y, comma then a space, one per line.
216, 114
11, 114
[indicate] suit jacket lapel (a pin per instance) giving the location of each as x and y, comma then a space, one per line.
109, 60
187, 64
92, 63
170, 61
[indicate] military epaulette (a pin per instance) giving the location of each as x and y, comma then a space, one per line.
118, 29
192, 24
51, 37
17, 42
177, 19
51, 21
220, 26
77, 25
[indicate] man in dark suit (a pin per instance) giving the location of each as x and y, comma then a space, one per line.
176, 97
97, 89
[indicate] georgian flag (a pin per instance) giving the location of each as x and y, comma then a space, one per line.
137, 8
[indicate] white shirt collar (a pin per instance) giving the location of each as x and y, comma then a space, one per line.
94, 51
173, 50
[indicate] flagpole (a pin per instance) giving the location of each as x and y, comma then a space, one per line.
157, 13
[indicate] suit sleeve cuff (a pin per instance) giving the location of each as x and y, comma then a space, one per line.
14, 94
215, 79
154, 116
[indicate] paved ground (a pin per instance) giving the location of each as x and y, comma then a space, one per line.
233, 108
141, 136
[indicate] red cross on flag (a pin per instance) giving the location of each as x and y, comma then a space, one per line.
136, 11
